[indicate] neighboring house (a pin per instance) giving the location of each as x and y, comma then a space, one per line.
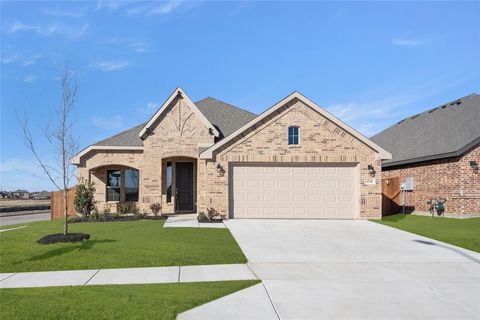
295, 160
440, 149
40, 195
24, 194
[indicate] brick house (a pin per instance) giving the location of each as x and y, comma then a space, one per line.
440, 149
295, 160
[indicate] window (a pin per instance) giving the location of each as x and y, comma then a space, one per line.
169, 182
114, 184
293, 135
131, 185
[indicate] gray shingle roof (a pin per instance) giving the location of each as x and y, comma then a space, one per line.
442, 132
125, 138
225, 117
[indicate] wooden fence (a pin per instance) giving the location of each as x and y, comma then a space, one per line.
391, 202
57, 204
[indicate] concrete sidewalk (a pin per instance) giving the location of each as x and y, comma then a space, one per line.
221, 272
190, 221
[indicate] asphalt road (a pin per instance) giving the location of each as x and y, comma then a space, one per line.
24, 218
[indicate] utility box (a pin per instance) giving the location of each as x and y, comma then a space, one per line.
407, 184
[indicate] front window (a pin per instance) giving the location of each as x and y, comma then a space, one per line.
114, 185
293, 135
131, 185
169, 182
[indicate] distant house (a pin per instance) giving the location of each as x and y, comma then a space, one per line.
24, 194
440, 149
41, 195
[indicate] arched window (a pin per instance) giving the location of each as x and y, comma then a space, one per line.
293, 135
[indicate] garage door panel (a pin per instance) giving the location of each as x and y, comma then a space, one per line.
293, 191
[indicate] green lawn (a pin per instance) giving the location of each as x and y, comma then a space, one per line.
150, 301
116, 245
460, 232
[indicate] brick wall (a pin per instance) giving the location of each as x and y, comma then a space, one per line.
320, 141
451, 178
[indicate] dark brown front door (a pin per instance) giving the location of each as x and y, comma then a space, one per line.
184, 186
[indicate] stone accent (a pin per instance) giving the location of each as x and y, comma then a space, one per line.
451, 178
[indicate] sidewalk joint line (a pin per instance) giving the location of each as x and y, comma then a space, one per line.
271, 301
92, 277
256, 276
179, 268
9, 276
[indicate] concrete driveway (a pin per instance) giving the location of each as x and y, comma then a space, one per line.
353, 270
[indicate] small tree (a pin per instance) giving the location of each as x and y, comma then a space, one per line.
60, 138
84, 197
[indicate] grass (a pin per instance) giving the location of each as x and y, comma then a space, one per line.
150, 301
464, 233
116, 245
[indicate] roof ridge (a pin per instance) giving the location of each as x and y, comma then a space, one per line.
430, 110
229, 104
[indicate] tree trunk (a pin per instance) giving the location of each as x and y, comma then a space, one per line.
65, 211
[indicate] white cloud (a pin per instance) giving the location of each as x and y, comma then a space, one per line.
149, 108
65, 13
370, 117
140, 47
115, 122
110, 5
18, 58
155, 8
50, 29
404, 41
17, 173
30, 78
112, 65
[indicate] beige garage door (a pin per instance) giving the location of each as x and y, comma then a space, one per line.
309, 191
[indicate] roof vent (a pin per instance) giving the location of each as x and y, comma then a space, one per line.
430, 111
458, 102
443, 107
400, 121
415, 116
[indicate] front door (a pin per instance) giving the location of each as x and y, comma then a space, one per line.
184, 186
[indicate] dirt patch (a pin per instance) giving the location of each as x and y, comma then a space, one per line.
60, 237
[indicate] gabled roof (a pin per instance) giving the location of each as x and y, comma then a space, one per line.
178, 93
225, 117
441, 132
382, 154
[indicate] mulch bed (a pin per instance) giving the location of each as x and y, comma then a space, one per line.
119, 219
60, 237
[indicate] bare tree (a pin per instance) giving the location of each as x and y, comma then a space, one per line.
60, 137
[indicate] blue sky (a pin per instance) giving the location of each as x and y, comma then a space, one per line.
369, 63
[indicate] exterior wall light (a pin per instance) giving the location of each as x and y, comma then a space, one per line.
371, 170
220, 170
474, 165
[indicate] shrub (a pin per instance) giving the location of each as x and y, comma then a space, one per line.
212, 214
84, 197
122, 208
135, 209
156, 207
105, 210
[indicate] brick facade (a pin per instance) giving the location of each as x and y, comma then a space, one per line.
320, 141
451, 178
178, 135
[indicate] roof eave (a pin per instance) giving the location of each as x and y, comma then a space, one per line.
382, 153
75, 160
